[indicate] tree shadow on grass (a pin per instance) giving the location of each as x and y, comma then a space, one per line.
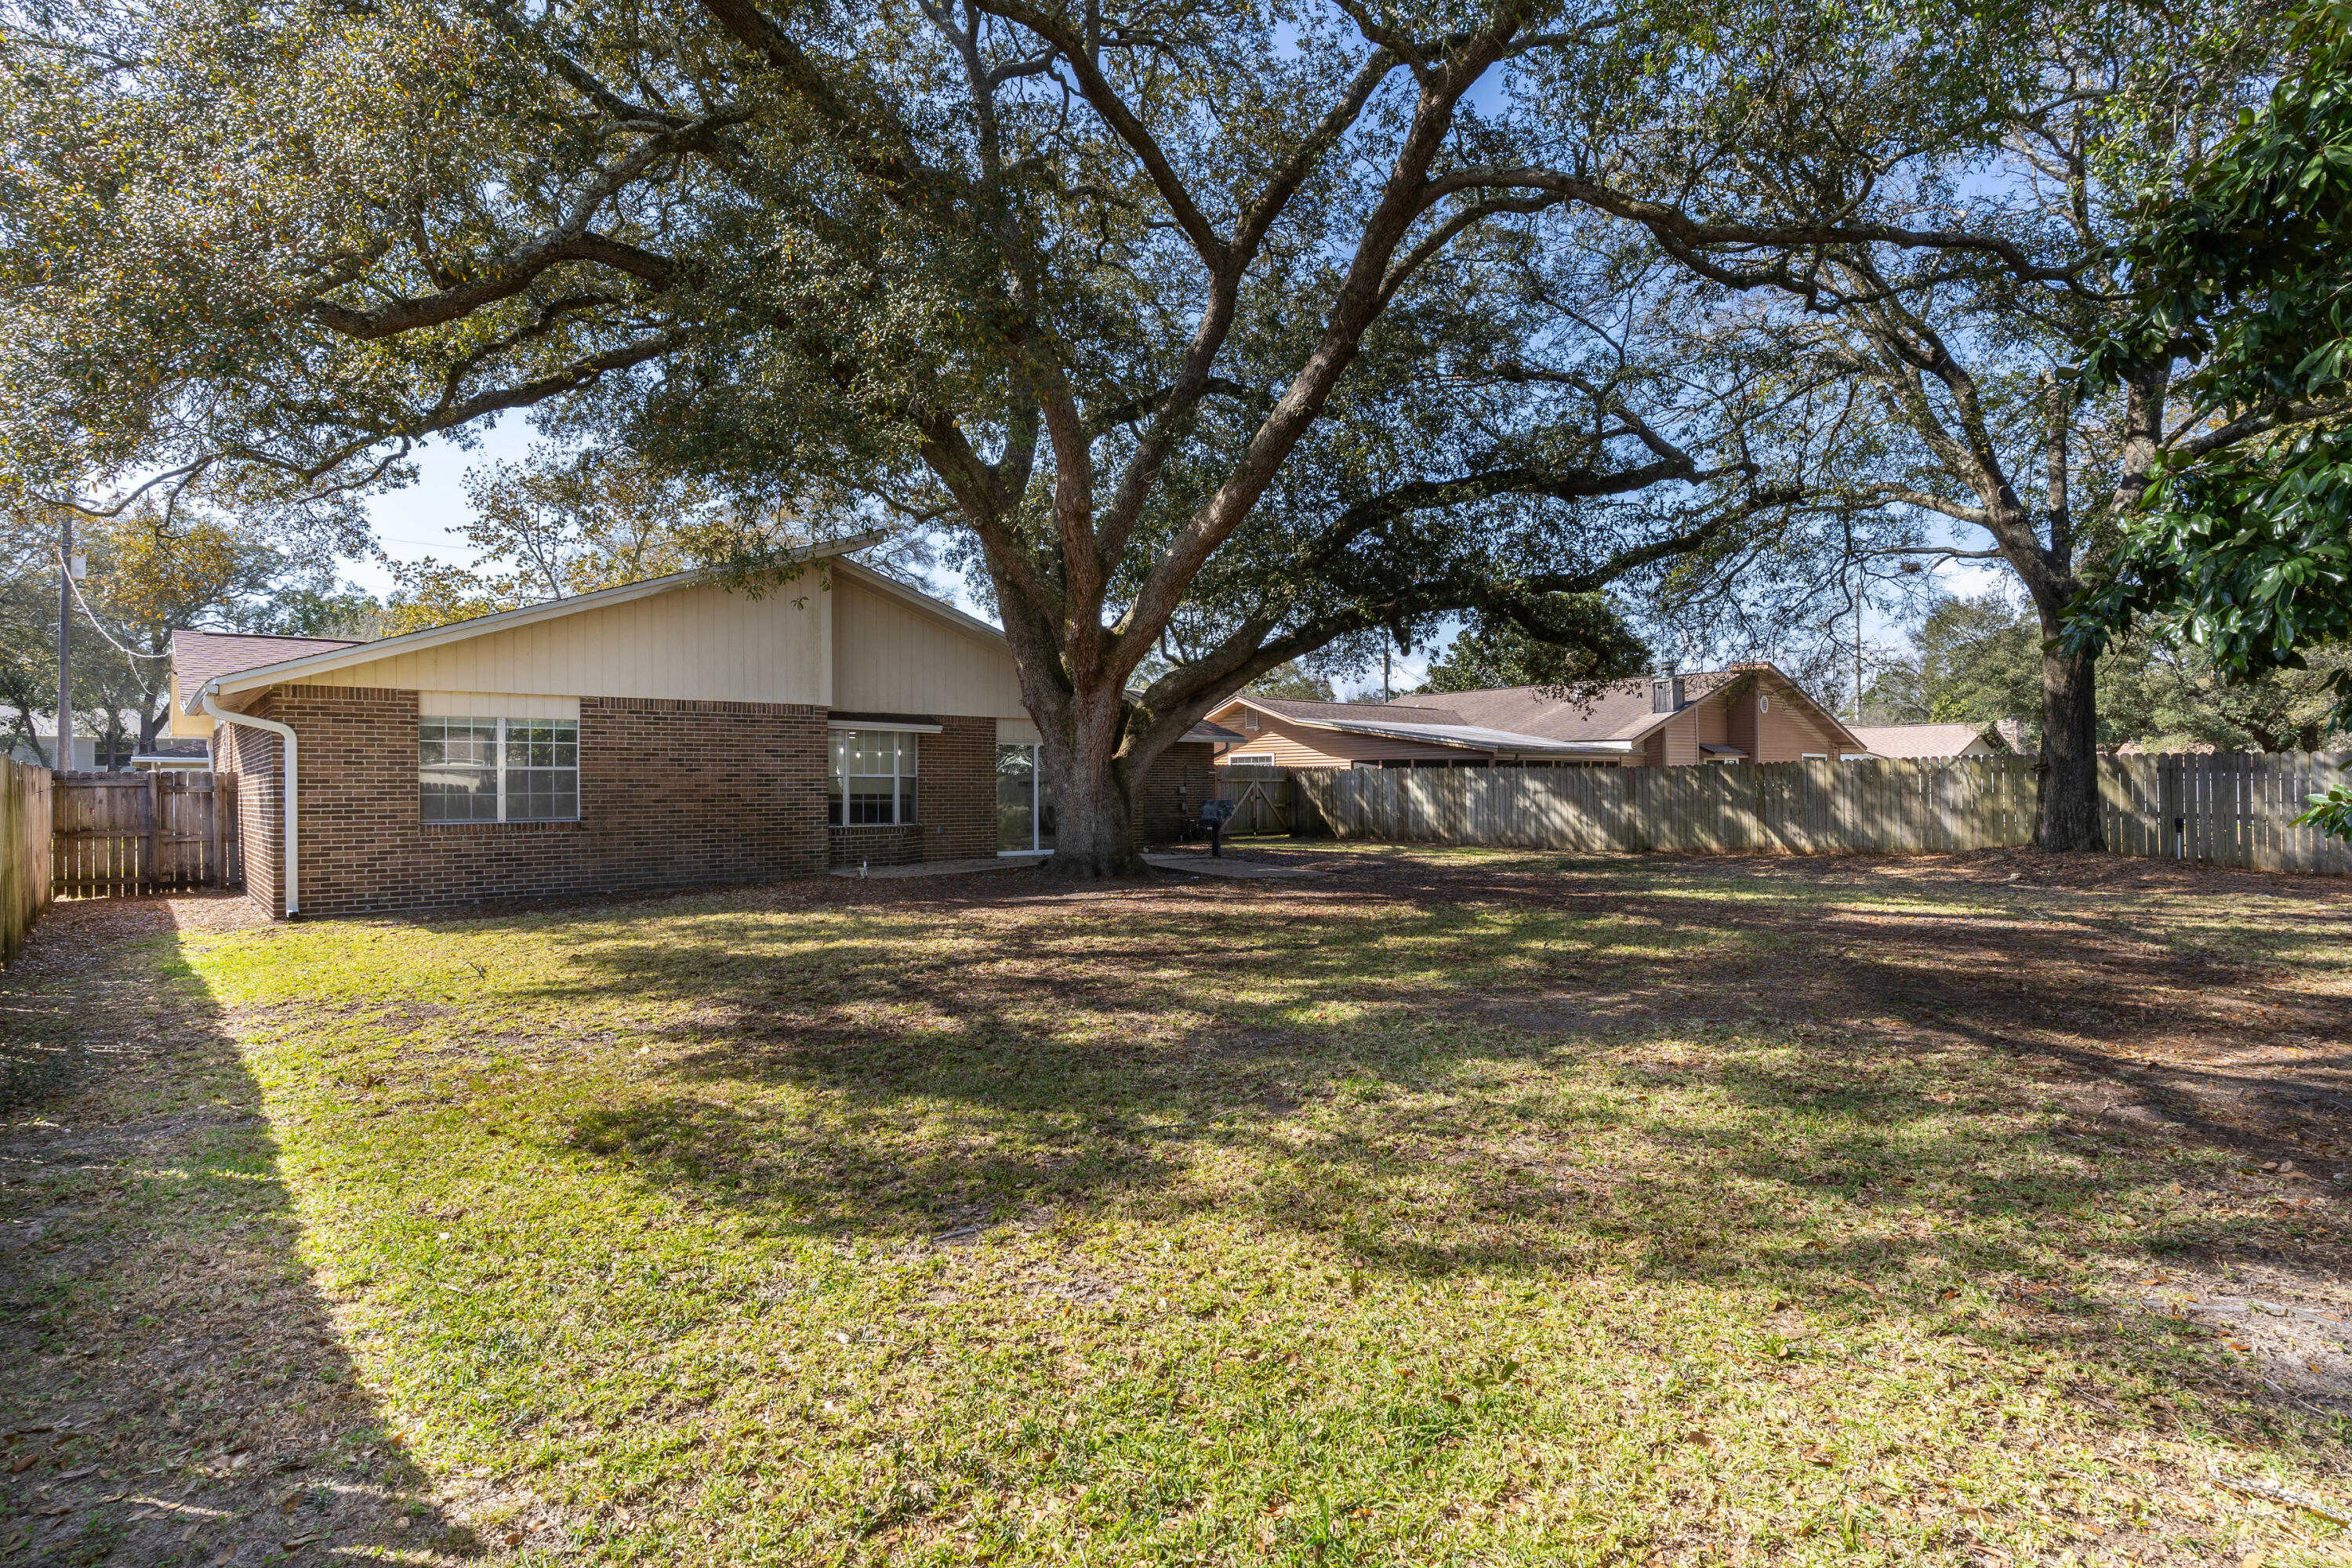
1865, 1144
174, 1386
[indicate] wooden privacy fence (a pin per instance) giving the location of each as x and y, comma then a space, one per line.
25, 798
2230, 809
121, 833
1817, 808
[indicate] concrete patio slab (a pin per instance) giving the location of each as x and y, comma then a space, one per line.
942, 868
1216, 866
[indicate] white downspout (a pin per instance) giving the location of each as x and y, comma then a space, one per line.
286, 733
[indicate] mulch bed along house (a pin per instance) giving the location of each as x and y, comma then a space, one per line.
666, 734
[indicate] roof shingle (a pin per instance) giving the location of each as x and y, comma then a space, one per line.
200, 657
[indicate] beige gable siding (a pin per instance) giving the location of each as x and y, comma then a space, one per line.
890, 658
699, 643
1681, 734
1791, 729
1297, 746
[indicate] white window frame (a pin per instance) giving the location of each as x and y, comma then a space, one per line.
500, 766
906, 747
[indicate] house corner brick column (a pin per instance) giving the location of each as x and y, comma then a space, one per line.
252, 758
1174, 787
958, 785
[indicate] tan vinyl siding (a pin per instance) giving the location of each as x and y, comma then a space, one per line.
1709, 722
1791, 731
890, 658
699, 642
495, 705
1680, 733
1739, 720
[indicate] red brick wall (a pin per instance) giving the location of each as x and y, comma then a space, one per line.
958, 790
251, 756
1172, 791
871, 844
672, 794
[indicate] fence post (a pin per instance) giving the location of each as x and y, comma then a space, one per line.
153, 881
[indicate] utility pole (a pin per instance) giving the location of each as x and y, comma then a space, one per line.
1384, 672
63, 760
1860, 581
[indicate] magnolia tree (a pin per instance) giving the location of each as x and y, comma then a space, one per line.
1206, 334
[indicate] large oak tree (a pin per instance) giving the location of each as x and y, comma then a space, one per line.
1211, 333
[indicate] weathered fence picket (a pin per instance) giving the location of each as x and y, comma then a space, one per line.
2227, 809
116, 834
25, 848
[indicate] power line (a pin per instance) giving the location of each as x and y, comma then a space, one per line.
66, 567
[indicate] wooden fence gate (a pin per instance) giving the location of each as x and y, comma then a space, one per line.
1263, 799
118, 834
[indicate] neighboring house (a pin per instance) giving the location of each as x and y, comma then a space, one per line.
1751, 712
663, 734
1911, 741
85, 758
174, 756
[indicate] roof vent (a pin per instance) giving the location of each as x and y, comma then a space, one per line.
1666, 694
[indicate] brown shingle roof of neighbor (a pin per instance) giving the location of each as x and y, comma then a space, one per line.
1294, 708
1619, 710
1916, 740
199, 657
1434, 726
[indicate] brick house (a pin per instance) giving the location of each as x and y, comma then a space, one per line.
663, 734
1749, 712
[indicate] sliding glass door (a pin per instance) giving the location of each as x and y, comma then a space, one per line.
1024, 802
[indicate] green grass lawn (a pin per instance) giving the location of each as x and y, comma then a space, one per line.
1457, 1209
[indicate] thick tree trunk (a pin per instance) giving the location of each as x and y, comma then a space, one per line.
2067, 809
1094, 791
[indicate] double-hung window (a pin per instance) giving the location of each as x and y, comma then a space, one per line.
873, 778
498, 770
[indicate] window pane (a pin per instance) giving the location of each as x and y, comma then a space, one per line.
457, 770
464, 742
833, 799
871, 799
542, 794
907, 798
1016, 783
457, 795
543, 743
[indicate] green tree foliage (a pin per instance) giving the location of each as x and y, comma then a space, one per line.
1978, 661
1214, 336
304, 612
2331, 811
147, 574
2245, 531
1493, 651
1293, 679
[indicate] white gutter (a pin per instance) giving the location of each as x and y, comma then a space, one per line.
285, 733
